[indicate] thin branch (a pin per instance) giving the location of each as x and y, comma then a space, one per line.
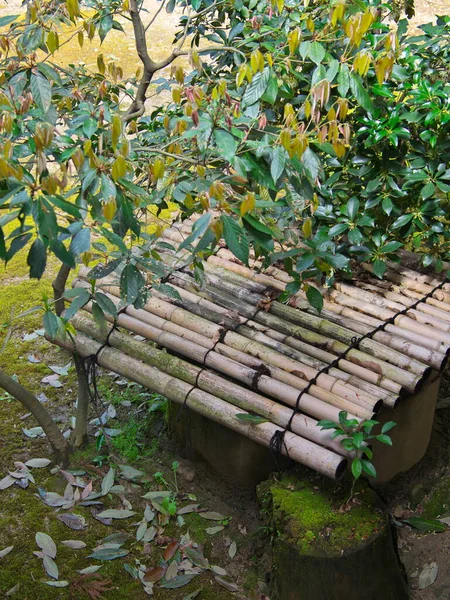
155, 16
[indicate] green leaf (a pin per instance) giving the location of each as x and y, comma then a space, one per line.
360, 93
108, 554
198, 229
368, 468
41, 90
77, 303
81, 242
255, 419
4, 21
271, 93
426, 524
343, 80
352, 208
226, 143
278, 163
106, 304
37, 259
402, 221
316, 52
67, 207
131, 281
311, 163
356, 468
384, 439
379, 268
61, 252
51, 324
388, 426
427, 190
256, 88
236, 238
314, 298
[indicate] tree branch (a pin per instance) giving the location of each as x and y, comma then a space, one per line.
59, 444
59, 285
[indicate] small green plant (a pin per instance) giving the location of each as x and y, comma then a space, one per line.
355, 437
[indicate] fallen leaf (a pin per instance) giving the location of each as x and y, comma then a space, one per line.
130, 473
74, 544
154, 574
12, 591
212, 516
72, 521
172, 571
90, 570
196, 558
426, 524
178, 582
46, 544
428, 575
5, 551
116, 538
57, 584
108, 481
227, 583
51, 568
218, 570
158, 494
190, 508
232, 550
113, 513
192, 595
214, 530
7, 482
149, 535
149, 515
38, 463
169, 552
61, 370
34, 432
108, 554
32, 358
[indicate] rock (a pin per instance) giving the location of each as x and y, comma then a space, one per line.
428, 575
186, 472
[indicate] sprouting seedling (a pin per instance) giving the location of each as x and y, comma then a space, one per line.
355, 436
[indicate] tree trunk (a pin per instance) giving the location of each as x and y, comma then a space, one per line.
59, 444
81, 436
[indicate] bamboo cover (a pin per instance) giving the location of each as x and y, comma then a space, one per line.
373, 343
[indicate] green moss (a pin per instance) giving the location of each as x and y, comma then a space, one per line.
313, 518
439, 501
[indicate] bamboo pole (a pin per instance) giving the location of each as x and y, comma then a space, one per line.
412, 284
208, 381
185, 319
301, 450
400, 371
405, 301
383, 302
289, 335
275, 382
402, 321
433, 354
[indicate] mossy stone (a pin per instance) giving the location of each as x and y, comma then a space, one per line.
439, 502
325, 549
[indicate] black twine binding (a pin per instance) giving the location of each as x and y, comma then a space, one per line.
277, 441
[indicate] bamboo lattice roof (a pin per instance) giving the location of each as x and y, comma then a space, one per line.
238, 349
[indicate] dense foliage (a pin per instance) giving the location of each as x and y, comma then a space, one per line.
319, 131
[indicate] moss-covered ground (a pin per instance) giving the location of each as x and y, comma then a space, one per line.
141, 420
317, 518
